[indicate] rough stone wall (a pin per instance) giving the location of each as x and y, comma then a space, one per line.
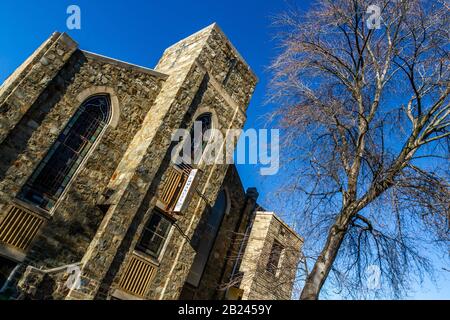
130, 160
217, 57
257, 282
37, 284
179, 255
74, 222
210, 94
141, 202
137, 176
24, 86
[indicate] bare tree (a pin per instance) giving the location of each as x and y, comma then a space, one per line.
366, 118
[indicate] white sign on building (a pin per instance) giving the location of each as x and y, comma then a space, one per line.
187, 190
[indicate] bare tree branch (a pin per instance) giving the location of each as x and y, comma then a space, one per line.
366, 116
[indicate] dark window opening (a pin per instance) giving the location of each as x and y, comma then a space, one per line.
274, 257
207, 238
6, 268
206, 122
155, 234
196, 144
58, 167
205, 119
233, 63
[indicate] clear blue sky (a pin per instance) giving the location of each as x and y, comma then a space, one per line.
139, 31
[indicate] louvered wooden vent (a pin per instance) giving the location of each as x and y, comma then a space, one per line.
173, 185
19, 227
138, 276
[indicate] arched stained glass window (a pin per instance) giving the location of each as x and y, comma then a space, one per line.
58, 167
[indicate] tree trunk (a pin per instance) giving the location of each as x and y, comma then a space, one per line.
322, 267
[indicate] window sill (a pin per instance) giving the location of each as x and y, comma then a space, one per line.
41, 212
147, 257
122, 295
11, 252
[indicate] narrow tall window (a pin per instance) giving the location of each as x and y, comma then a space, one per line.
155, 234
208, 237
58, 167
205, 119
206, 122
6, 268
274, 257
177, 179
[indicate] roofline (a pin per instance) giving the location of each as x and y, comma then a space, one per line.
215, 26
125, 64
219, 29
282, 222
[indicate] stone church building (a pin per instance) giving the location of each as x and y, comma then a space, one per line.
91, 205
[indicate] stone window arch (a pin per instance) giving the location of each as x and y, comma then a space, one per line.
206, 120
56, 170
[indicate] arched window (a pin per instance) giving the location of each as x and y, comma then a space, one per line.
206, 124
58, 167
207, 239
206, 121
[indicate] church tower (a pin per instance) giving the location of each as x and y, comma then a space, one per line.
85, 168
